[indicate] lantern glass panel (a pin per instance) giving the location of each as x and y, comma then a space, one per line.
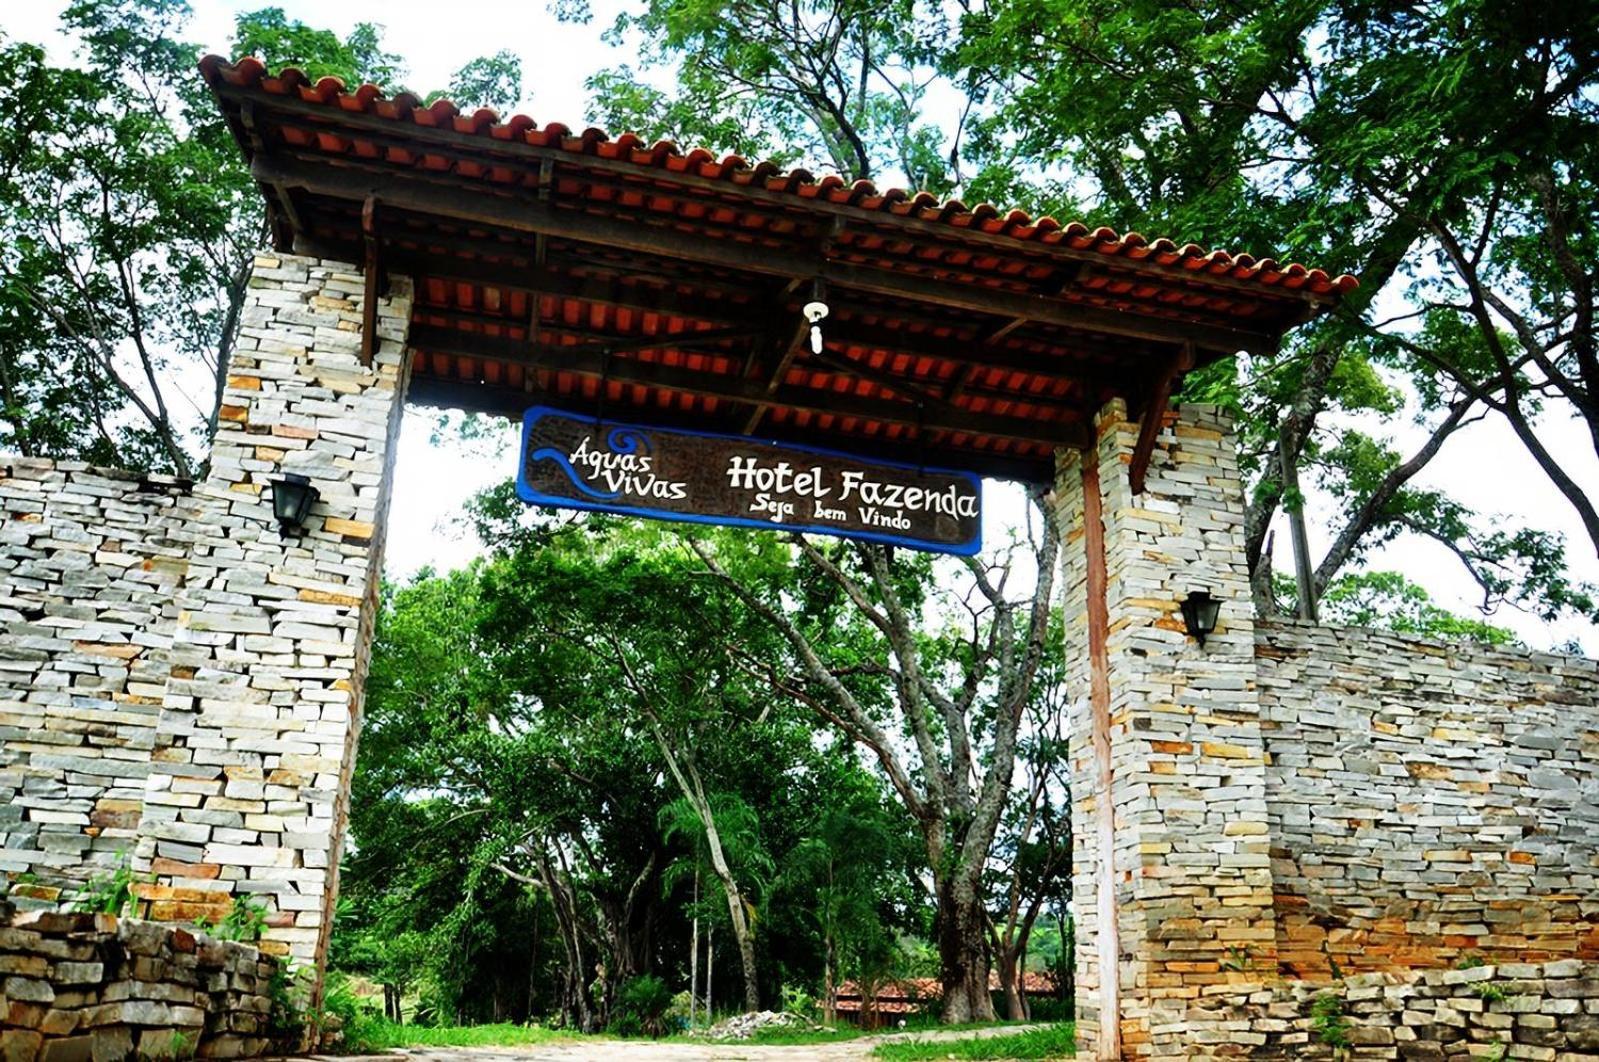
1200, 612
291, 499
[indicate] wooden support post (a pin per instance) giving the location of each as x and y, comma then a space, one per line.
1154, 413
1109, 948
373, 277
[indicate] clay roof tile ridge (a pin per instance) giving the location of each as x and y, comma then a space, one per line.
249, 72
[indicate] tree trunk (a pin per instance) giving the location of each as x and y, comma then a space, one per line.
694, 951
963, 952
746, 948
1010, 980
829, 986
533, 962
576, 1005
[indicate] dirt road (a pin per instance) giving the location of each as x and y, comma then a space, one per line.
677, 1051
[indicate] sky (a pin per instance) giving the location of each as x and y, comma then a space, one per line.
1485, 466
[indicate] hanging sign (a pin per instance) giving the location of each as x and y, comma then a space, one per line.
576, 462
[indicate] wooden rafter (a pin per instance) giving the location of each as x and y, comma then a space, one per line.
1089, 381
722, 303
784, 347
504, 400
585, 361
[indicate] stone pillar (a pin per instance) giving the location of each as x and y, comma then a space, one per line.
1185, 902
248, 793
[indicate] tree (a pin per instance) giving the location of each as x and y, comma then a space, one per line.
131, 221
1389, 601
1441, 151
837, 83
1444, 152
1033, 851
458, 721
279, 41
619, 595
839, 878
956, 692
493, 81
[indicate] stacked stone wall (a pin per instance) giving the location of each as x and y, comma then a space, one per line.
262, 708
1547, 1012
83, 986
90, 560
1429, 802
1186, 834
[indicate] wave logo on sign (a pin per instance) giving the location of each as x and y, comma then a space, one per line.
623, 467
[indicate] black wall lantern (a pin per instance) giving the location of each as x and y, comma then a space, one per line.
292, 498
1199, 614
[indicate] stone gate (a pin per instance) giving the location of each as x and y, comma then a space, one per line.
181, 681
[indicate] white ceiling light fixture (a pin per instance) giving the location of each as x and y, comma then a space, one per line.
814, 312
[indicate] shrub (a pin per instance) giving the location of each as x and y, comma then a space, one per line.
111, 893
244, 922
357, 1020
798, 1001
642, 1007
1327, 1021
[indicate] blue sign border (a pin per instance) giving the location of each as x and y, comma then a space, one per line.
525, 492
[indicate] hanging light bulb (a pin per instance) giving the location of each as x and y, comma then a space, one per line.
814, 312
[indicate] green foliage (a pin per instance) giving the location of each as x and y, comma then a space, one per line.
289, 992
493, 81
1327, 1020
130, 223
245, 921
757, 79
1365, 138
166, 1045
355, 1019
642, 1007
129, 219
279, 41
381, 1035
111, 893
1389, 601
1488, 991
1056, 1041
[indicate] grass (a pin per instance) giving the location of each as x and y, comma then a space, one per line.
379, 1034
1057, 1041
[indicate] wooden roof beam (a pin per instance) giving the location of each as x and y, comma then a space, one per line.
372, 281
1091, 378
847, 323
785, 345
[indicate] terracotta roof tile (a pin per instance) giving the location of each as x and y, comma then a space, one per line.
1017, 224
